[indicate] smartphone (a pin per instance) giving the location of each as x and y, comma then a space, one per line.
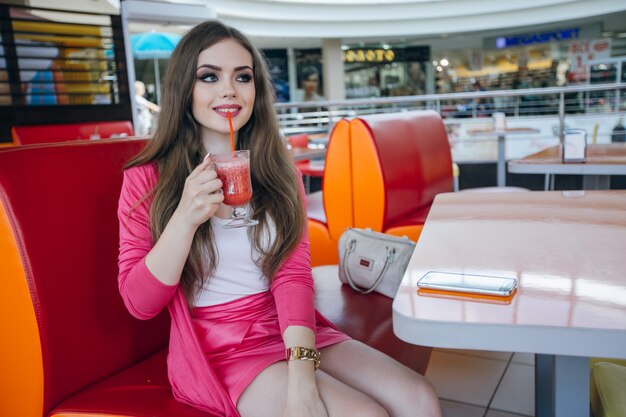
468, 283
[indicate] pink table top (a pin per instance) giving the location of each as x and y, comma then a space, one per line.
611, 153
566, 248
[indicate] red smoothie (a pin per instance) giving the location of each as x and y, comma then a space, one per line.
235, 177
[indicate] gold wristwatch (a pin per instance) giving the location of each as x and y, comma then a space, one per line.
304, 354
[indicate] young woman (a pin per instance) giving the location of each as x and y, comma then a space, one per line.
241, 300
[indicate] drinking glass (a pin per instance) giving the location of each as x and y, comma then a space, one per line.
233, 169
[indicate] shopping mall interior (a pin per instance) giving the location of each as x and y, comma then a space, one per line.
519, 104
399, 48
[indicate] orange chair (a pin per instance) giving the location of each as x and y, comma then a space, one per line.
381, 172
28, 135
400, 162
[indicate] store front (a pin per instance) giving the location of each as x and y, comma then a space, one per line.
537, 59
385, 71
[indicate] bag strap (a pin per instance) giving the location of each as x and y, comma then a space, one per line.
349, 249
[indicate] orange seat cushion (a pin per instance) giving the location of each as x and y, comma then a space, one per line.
330, 212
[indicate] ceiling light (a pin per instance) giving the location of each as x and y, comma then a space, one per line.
444, 62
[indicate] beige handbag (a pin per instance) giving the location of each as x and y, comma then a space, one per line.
372, 261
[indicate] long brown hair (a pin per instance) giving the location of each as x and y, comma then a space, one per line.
177, 149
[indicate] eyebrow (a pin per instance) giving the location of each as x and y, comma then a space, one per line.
217, 68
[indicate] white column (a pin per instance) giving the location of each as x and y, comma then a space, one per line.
291, 71
430, 77
130, 61
333, 70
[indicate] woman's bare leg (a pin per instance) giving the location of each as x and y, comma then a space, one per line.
266, 396
354, 380
400, 390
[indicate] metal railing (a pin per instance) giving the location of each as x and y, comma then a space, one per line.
552, 101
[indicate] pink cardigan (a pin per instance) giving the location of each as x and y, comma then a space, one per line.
193, 380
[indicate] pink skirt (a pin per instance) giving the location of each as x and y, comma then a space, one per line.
242, 337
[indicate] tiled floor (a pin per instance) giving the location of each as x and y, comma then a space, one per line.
473, 383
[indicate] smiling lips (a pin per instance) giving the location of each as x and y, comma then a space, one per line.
224, 110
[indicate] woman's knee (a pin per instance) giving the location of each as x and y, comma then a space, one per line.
418, 394
369, 408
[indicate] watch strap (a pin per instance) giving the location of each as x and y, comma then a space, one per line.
304, 354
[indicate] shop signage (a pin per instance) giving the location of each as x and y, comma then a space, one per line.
369, 55
540, 37
376, 55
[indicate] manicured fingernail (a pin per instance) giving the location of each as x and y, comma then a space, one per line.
206, 156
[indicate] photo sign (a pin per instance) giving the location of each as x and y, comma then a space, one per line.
584, 51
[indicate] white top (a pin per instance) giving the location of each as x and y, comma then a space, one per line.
236, 274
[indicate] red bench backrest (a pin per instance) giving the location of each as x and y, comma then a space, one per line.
28, 135
63, 315
400, 162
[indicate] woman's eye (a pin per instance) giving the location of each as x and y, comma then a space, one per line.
244, 78
209, 78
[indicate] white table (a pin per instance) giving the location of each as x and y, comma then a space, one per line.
567, 251
602, 161
501, 135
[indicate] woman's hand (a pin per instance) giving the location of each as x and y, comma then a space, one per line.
304, 404
303, 399
201, 196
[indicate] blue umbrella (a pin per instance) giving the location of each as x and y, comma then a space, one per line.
151, 45
154, 45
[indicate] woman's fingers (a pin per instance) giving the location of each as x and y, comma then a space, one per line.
213, 186
205, 176
215, 198
206, 165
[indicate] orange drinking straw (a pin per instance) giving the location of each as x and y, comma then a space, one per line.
232, 135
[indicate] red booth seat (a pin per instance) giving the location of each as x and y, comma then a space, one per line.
27, 135
70, 347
